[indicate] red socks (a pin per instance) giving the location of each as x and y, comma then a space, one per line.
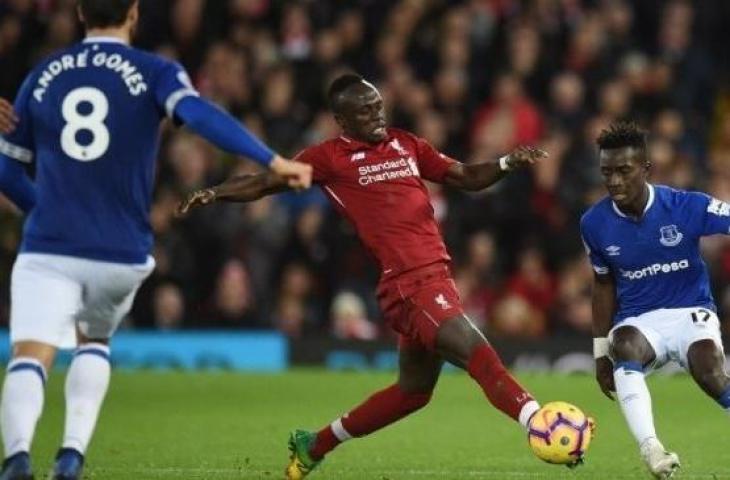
378, 411
500, 387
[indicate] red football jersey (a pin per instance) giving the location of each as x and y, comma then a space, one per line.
379, 189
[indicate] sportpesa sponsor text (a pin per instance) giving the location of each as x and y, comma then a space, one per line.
655, 269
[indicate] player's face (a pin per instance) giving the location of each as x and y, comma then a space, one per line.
362, 114
624, 173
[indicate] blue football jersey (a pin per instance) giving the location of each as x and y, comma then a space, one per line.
89, 119
655, 261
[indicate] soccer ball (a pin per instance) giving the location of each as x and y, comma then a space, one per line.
560, 433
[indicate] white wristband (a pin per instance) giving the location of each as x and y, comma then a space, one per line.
600, 347
503, 165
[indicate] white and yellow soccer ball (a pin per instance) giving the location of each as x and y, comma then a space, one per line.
560, 433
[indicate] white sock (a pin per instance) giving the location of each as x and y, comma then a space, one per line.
339, 431
635, 400
528, 410
86, 385
22, 403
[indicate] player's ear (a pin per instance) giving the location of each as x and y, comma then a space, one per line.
80, 14
133, 13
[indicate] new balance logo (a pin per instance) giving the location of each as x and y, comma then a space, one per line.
441, 300
357, 156
613, 250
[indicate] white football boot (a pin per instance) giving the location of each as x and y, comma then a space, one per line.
661, 463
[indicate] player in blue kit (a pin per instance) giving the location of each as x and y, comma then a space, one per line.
651, 298
89, 118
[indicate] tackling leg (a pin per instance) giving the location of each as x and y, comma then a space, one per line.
462, 344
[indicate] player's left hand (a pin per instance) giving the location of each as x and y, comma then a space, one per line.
524, 156
196, 199
8, 119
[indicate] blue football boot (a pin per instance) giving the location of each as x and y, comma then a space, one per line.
69, 465
17, 467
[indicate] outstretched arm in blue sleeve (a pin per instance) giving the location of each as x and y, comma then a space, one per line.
16, 185
221, 129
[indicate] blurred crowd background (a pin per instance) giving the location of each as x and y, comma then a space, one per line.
475, 78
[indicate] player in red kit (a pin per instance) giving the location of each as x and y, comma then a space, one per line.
374, 176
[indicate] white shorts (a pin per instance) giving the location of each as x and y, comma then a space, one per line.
52, 295
671, 331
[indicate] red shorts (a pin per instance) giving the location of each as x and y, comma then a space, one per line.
417, 302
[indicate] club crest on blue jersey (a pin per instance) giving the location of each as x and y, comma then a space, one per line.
670, 236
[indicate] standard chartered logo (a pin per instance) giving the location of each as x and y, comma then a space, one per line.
655, 269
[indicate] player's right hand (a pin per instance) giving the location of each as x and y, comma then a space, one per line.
524, 156
8, 119
195, 199
298, 175
604, 376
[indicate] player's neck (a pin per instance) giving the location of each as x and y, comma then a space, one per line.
121, 33
637, 209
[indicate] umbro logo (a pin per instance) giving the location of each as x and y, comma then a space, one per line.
441, 300
613, 250
357, 156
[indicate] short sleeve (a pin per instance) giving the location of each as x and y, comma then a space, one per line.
599, 264
432, 164
713, 214
173, 84
19, 144
318, 158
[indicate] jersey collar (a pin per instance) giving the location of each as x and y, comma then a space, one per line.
649, 203
352, 145
104, 40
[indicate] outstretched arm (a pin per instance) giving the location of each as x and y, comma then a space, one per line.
477, 176
16, 184
604, 307
241, 188
222, 130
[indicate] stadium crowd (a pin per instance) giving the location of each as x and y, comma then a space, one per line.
474, 77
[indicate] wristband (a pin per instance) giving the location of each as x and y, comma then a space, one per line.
600, 347
503, 165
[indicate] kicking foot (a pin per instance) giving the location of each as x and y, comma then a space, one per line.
661, 463
17, 467
69, 465
300, 462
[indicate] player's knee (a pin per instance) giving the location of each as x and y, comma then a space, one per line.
43, 353
626, 347
410, 402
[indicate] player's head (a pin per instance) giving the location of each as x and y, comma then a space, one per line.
109, 14
358, 108
624, 162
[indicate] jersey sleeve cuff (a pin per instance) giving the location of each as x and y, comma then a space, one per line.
600, 270
15, 152
175, 98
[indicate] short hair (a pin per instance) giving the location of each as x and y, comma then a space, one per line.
339, 85
622, 134
105, 13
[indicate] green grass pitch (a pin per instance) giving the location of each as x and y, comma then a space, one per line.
234, 426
